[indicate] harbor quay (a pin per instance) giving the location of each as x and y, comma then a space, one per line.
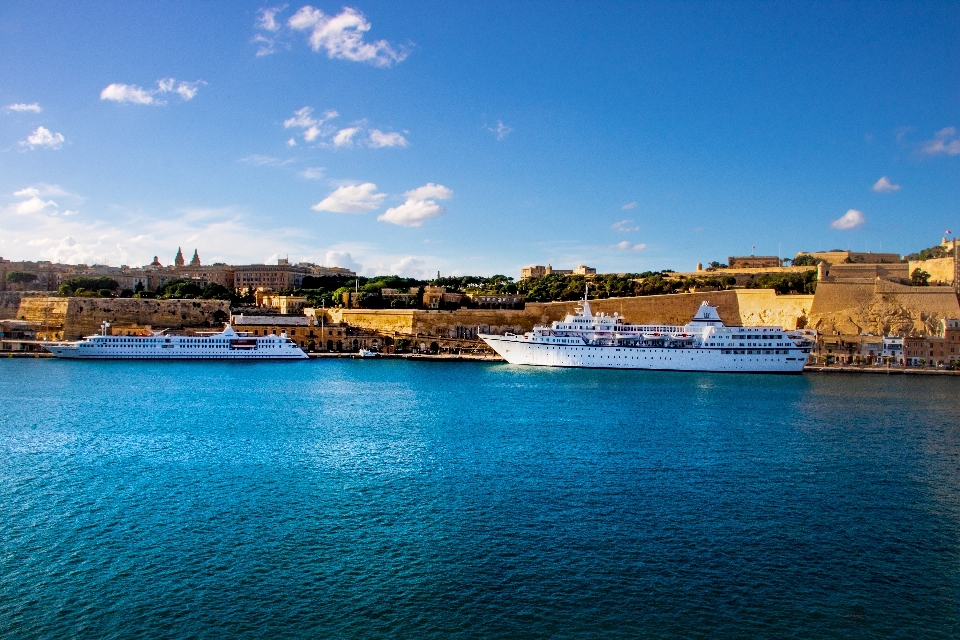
864, 309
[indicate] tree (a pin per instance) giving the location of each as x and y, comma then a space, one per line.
20, 277
919, 278
806, 260
92, 284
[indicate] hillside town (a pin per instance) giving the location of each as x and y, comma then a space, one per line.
867, 309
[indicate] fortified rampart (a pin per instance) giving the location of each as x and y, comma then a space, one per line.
754, 306
880, 307
73, 318
941, 270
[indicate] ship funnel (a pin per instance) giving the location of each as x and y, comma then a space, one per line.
707, 315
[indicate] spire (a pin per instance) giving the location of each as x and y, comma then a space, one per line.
195, 260
178, 261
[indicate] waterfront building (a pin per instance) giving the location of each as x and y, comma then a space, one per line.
283, 304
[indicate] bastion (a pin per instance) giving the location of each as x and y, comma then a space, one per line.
737, 307
72, 318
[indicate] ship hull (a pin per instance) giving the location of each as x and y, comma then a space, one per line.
70, 352
516, 350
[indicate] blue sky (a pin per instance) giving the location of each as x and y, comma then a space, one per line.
476, 137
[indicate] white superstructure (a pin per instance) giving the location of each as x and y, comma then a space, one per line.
704, 344
225, 345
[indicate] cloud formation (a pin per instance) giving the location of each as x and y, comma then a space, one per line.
420, 206
21, 107
944, 141
133, 94
312, 173
624, 226
629, 246
320, 131
629, 205
43, 138
313, 128
379, 139
360, 198
344, 137
341, 36
342, 259
31, 200
501, 131
883, 185
850, 220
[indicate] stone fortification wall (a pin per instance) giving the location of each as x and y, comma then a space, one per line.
765, 307
84, 315
9, 305
759, 306
880, 307
73, 318
940, 269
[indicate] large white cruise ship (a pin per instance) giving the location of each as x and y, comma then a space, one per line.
704, 344
225, 345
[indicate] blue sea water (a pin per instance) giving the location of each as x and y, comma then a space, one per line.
353, 499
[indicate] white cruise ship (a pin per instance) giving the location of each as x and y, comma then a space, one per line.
225, 345
609, 342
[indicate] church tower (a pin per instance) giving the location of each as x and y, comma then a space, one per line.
178, 261
195, 260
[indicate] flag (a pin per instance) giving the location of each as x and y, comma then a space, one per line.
947, 231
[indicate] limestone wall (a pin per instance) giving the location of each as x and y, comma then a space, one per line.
9, 305
881, 307
940, 269
73, 318
753, 306
84, 315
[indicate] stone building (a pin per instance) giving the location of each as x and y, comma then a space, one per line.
270, 277
538, 271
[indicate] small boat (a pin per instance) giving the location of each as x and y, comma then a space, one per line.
367, 353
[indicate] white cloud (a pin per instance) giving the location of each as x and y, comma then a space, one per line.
428, 191
342, 259
629, 205
21, 107
31, 200
324, 134
344, 137
34, 205
312, 127
127, 93
43, 137
412, 213
342, 36
883, 185
265, 161
359, 198
501, 131
409, 267
379, 139
942, 143
267, 18
419, 206
624, 226
134, 94
850, 220
629, 246
312, 173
